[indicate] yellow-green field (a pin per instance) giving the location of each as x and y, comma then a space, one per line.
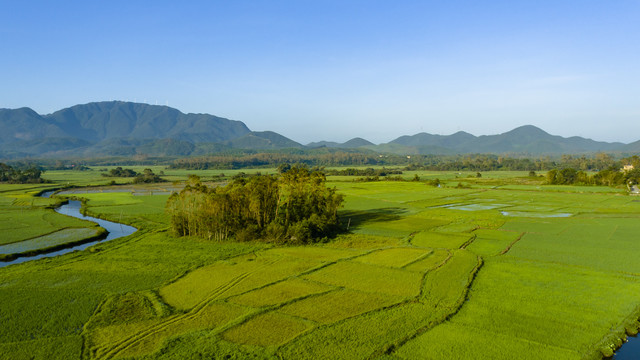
506, 268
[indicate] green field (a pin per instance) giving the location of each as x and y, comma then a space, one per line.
505, 268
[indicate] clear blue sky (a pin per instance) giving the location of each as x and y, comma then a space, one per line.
333, 70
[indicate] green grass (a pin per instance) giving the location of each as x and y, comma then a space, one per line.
369, 278
338, 305
431, 239
53, 240
398, 285
267, 330
395, 257
279, 293
22, 224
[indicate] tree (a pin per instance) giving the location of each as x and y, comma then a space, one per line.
297, 207
29, 175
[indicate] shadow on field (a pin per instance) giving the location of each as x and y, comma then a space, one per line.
351, 219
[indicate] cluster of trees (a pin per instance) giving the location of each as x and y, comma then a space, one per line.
309, 157
295, 207
468, 162
364, 172
612, 176
490, 162
30, 175
120, 172
146, 176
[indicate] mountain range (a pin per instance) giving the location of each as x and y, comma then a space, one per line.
118, 128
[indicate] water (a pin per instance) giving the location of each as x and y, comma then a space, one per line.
115, 230
629, 350
535, 214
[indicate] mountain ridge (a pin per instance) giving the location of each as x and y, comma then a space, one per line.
119, 128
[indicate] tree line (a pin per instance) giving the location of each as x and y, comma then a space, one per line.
612, 176
295, 207
146, 176
30, 175
433, 162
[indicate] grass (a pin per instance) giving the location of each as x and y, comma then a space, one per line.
51, 241
19, 224
338, 305
431, 239
394, 257
279, 293
412, 279
369, 278
269, 329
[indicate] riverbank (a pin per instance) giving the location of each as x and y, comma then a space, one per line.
65, 240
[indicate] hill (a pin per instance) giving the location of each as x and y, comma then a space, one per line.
351, 144
118, 128
526, 139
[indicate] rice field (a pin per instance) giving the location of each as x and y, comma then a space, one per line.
487, 272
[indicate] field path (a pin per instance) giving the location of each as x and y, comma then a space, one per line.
114, 350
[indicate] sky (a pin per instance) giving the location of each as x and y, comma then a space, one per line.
337, 69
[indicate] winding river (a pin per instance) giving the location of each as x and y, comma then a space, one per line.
115, 230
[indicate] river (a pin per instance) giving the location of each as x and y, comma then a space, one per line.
115, 230
629, 350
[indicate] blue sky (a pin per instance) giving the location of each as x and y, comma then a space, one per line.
333, 70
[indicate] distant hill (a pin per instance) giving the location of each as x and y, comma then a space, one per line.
351, 144
262, 140
118, 128
526, 139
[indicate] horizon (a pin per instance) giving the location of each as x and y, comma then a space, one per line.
332, 141
333, 71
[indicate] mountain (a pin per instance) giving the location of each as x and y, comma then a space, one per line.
118, 128
351, 144
119, 119
526, 139
26, 124
262, 140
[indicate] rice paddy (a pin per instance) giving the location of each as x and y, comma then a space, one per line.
423, 272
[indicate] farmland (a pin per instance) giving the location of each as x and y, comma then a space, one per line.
498, 267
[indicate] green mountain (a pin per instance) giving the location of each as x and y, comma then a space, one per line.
119, 119
262, 140
351, 144
526, 139
118, 128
